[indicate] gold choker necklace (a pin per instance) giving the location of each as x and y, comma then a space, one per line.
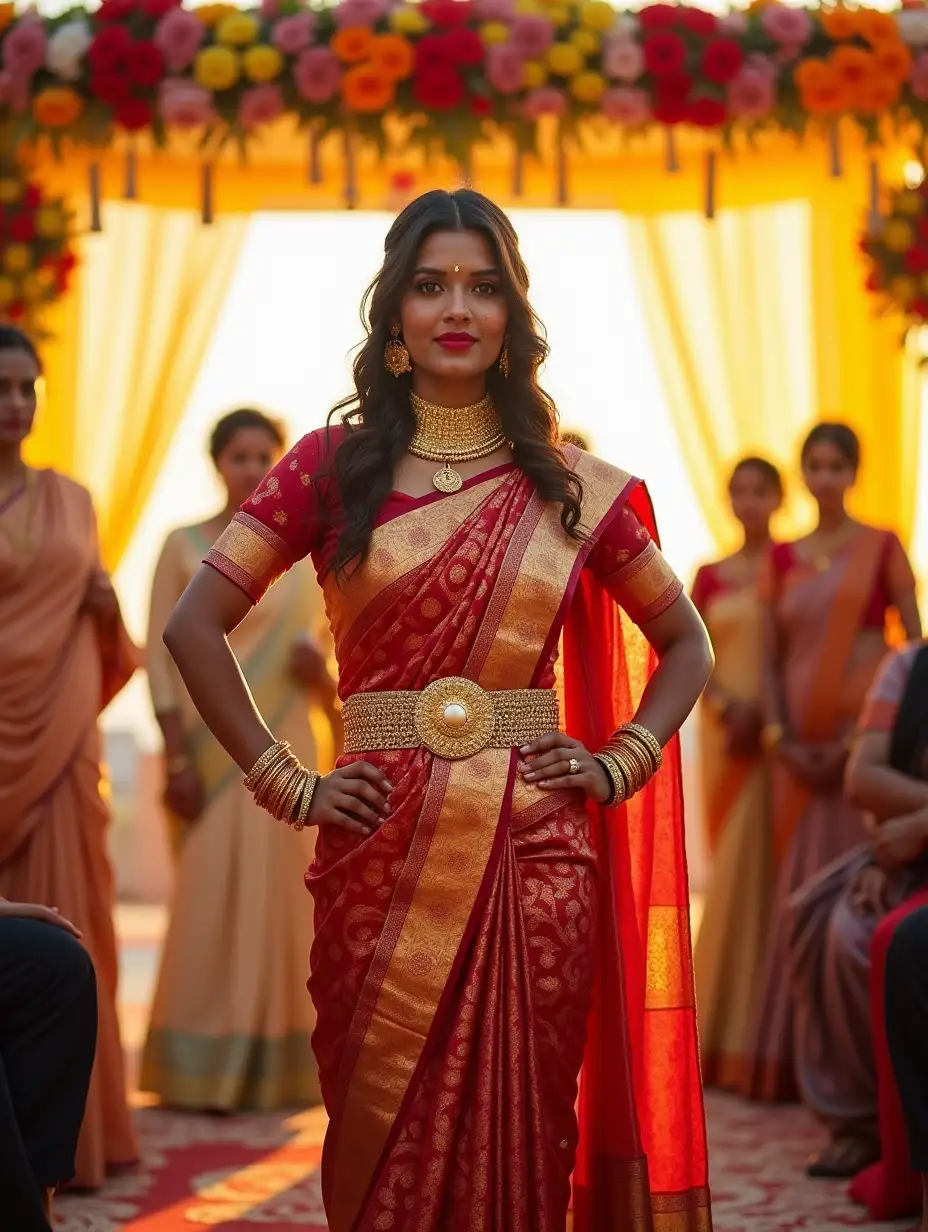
454, 434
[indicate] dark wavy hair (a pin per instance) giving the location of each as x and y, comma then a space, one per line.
243, 417
13, 339
378, 418
761, 466
844, 439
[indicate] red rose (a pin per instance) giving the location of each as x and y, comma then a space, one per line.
698, 21
111, 85
110, 48
874, 281
158, 8
464, 46
915, 260
434, 54
115, 10
145, 64
480, 106
658, 16
920, 307
722, 60
675, 87
438, 89
707, 113
447, 12
663, 54
22, 229
32, 197
133, 114
16, 310
923, 228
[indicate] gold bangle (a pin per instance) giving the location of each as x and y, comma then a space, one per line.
772, 737
306, 800
615, 777
269, 755
648, 739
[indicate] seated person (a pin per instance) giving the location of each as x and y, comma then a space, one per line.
48, 1033
836, 914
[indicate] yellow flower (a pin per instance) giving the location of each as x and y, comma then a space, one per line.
586, 41
211, 14
49, 221
534, 74
407, 20
588, 87
597, 15
494, 32
17, 258
262, 62
9, 191
923, 282
237, 30
910, 202
898, 235
526, 6
216, 68
7, 291
564, 59
32, 289
45, 276
558, 15
903, 288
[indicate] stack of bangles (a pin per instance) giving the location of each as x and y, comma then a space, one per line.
282, 786
631, 759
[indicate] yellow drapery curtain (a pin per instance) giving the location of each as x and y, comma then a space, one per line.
126, 349
762, 326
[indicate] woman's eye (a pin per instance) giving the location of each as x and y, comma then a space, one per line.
486, 288
429, 286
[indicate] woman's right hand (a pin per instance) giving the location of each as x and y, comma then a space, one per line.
355, 797
743, 725
183, 793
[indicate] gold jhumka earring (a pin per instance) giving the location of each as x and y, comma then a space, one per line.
504, 359
395, 356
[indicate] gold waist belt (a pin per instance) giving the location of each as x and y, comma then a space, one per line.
453, 718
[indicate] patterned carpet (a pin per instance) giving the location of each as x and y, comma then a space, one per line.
247, 1173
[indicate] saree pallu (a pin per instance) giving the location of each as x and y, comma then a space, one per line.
490, 938
58, 668
231, 1021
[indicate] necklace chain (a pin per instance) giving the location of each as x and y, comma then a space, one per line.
455, 434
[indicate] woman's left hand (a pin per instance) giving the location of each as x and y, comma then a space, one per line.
557, 763
901, 840
100, 597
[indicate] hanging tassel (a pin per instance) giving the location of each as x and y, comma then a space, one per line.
561, 167
315, 165
673, 163
130, 193
96, 221
711, 170
351, 183
518, 173
873, 185
835, 170
206, 197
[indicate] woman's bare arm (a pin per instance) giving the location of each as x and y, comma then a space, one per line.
197, 637
907, 607
871, 783
685, 662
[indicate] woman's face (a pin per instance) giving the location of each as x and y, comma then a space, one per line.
828, 474
245, 461
754, 500
453, 317
18, 376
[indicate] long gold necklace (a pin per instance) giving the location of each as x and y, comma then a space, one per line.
454, 434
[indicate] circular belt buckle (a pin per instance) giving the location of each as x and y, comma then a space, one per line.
454, 718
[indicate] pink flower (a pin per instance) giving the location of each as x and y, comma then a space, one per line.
625, 106
24, 46
752, 94
531, 35
291, 35
493, 10
505, 69
317, 74
623, 59
359, 13
789, 26
733, 25
14, 92
269, 9
184, 104
259, 105
919, 79
178, 36
548, 100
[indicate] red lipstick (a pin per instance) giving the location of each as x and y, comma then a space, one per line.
456, 341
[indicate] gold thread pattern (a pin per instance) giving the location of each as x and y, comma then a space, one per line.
645, 587
249, 554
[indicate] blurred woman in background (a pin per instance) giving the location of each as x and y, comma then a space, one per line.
736, 786
231, 1019
826, 616
64, 653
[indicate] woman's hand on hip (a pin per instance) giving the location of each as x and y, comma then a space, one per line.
355, 797
35, 911
557, 763
183, 793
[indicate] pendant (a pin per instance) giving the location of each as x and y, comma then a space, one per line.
447, 480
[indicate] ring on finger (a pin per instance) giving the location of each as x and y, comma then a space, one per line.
573, 766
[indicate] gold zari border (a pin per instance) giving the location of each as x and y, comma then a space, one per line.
249, 554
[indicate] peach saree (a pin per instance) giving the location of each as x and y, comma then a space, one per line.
58, 669
491, 940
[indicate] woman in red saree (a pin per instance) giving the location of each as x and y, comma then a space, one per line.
485, 927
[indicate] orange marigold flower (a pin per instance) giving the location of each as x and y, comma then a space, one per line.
840, 23
57, 107
352, 44
7, 13
877, 27
852, 65
875, 96
829, 96
894, 60
812, 73
365, 88
393, 56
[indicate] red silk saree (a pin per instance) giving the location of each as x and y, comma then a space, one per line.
491, 941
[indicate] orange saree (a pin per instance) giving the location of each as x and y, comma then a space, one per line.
58, 668
491, 940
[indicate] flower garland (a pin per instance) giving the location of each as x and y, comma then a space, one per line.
36, 257
449, 65
896, 250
